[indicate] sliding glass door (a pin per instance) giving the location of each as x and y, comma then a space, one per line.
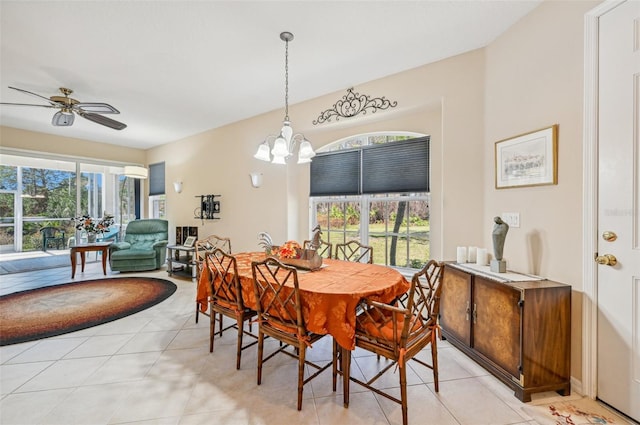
37, 192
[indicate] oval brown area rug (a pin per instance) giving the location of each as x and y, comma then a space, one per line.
59, 309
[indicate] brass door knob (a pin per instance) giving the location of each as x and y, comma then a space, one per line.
607, 260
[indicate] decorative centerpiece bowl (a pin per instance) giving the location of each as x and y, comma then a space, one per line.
308, 259
291, 254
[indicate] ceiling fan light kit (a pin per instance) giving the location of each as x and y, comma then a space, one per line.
63, 118
68, 107
284, 144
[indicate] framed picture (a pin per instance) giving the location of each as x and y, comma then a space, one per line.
190, 241
529, 159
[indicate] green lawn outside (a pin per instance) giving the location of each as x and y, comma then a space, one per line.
419, 248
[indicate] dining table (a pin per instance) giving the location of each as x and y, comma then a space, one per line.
329, 295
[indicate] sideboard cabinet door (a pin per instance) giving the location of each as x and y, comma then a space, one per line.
455, 305
496, 324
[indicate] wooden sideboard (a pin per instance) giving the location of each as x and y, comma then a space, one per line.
519, 331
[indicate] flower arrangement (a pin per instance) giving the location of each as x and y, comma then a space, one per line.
289, 249
91, 225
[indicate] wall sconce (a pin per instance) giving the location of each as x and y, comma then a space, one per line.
256, 179
177, 186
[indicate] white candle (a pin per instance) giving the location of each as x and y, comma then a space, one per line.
471, 254
481, 257
461, 254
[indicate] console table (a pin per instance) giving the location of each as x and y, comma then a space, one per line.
102, 247
516, 326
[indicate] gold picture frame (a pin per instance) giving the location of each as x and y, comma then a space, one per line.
529, 159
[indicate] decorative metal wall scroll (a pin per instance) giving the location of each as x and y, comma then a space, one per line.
352, 104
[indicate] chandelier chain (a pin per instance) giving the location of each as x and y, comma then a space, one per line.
286, 81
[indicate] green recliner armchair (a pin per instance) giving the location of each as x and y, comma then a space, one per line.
144, 246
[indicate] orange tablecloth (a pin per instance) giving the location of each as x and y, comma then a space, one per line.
329, 296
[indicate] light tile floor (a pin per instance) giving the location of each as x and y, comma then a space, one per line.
154, 367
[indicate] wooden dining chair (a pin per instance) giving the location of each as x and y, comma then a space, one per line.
325, 250
226, 299
399, 334
354, 251
203, 248
280, 316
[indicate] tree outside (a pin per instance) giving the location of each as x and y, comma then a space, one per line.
398, 230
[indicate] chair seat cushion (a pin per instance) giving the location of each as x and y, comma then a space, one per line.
230, 305
133, 254
283, 327
380, 325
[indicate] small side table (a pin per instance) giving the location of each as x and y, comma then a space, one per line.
181, 261
103, 247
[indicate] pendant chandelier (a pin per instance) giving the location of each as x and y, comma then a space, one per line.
285, 143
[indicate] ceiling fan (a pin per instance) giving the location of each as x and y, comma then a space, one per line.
68, 106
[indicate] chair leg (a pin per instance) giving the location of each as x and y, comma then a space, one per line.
403, 392
212, 329
434, 362
345, 361
239, 348
334, 364
301, 358
260, 351
197, 311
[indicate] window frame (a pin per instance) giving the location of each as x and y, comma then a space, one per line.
107, 173
360, 142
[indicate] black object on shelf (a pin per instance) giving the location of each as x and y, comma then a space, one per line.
183, 232
208, 207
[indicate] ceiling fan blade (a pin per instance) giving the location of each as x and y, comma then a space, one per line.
28, 104
99, 108
51, 102
108, 122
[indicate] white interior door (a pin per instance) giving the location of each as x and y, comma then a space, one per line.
618, 209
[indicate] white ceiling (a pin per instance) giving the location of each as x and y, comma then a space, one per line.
177, 68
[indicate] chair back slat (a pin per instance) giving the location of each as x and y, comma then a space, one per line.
225, 284
278, 296
354, 251
423, 301
207, 246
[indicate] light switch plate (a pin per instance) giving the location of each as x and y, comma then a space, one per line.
511, 218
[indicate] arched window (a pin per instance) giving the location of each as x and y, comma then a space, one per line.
374, 188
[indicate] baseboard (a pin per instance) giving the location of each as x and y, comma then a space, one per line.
576, 386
